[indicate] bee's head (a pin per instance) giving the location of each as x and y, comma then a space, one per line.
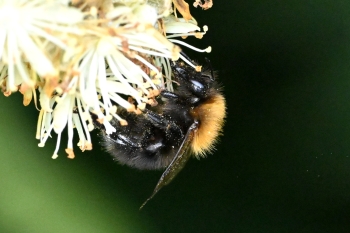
198, 83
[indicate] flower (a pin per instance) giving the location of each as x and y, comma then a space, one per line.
84, 56
205, 6
24, 35
179, 27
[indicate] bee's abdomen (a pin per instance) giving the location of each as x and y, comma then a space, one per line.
142, 145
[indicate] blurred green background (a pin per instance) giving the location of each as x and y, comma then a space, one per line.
283, 164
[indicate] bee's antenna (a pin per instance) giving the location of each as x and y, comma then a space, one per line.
185, 55
211, 69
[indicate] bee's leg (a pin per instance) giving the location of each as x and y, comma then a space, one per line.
156, 119
169, 95
122, 139
161, 122
127, 140
175, 97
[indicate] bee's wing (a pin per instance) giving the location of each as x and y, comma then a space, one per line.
177, 163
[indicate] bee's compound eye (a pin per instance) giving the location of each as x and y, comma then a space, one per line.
197, 88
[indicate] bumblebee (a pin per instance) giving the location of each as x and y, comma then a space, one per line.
186, 122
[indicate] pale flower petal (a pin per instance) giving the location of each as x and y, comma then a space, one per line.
60, 116
146, 13
85, 58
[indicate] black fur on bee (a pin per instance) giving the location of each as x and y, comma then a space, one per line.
186, 121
